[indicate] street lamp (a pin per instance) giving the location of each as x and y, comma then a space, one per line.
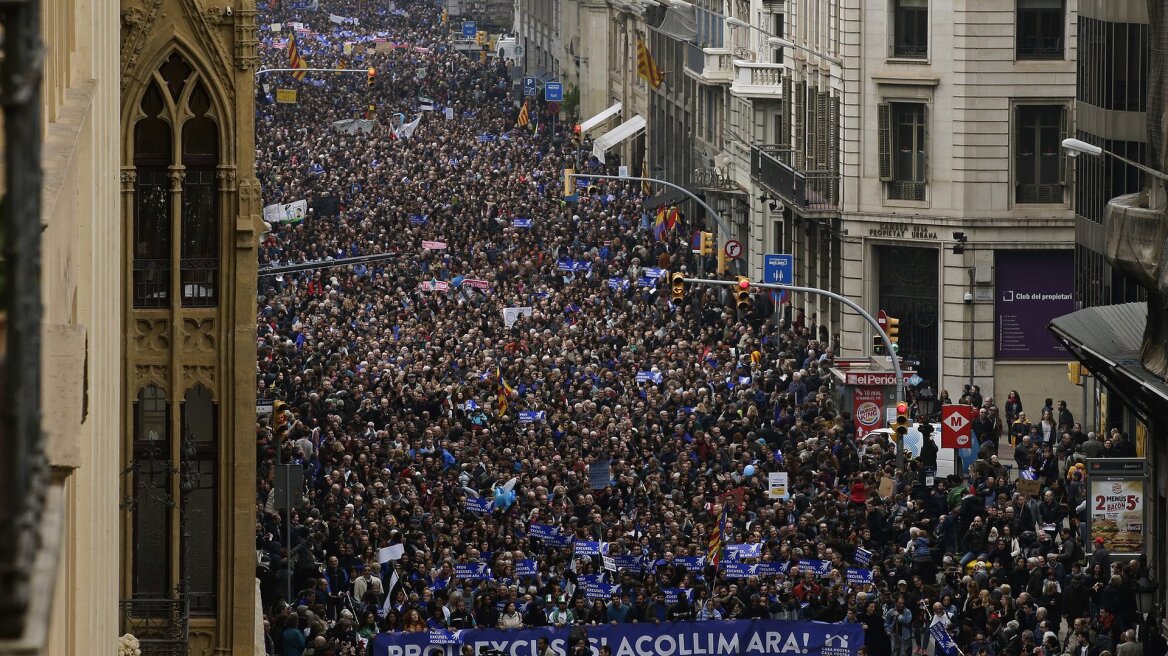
1075, 147
779, 42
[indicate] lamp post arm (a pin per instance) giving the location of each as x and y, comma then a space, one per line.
709, 210
311, 70
897, 371
1146, 169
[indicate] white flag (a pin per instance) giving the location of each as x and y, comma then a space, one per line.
406, 131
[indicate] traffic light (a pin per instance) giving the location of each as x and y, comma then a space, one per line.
708, 244
901, 420
677, 285
742, 294
877, 345
370, 77
568, 182
279, 418
893, 330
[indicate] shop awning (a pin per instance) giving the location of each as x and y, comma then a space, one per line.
600, 118
1108, 340
617, 135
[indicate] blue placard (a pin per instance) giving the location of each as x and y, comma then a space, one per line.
590, 548
543, 531
628, 562
444, 637
817, 567
530, 87
487, 138
522, 223
418, 219
618, 283
944, 640
650, 376
526, 568
531, 416
857, 576
862, 556
740, 637
654, 272
778, 269
553, 92
469, 30
737, 570
478, 505
472, 571
674, 595
740, 551
603, 591
691, 563
773, 569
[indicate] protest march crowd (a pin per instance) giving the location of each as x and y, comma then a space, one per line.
506, 422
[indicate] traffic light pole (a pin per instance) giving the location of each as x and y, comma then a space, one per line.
900, 393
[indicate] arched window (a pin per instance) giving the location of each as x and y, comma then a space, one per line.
177, 191
152, 499
200, 438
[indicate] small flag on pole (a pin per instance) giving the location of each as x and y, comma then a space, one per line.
296, 60
524, 117
647, 67
714, 552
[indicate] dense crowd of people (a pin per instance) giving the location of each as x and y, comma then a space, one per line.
438, 432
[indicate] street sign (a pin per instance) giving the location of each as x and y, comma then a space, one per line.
529, 86
469, 30
882, 319
778, 269
956, 426
553, 92
733, 249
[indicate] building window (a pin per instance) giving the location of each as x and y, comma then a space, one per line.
1039, 162
200, 432
1113, 65
151, 496
176, 101
1040, 29
910, 29
903, 137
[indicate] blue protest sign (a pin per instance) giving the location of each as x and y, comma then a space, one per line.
553, 92
944, 640
443, 637
628, 562
649, 376
646, 282
739, 637
654, 272
531, 416
472, 571
543, 531
691, 563
589, 548
522, 223
618, 283
773, 569
487, 138
478, 505
418, 219
526, 568
674, 595
817, 567
778, 269
739, 551
736, 570
600, 474
857, 576
862, 556
602, 591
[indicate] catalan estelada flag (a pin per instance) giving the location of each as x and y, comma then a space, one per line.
504, 390
296, 60
646, 66
524, 116
714, 551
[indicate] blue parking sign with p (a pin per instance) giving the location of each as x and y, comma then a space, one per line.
778, 268
529, 86
553, 92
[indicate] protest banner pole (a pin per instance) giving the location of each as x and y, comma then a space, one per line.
900, 384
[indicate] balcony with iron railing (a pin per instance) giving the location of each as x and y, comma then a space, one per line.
159, 624
816, 191
757, 79
709, 65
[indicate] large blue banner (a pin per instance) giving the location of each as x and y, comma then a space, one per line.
712, 638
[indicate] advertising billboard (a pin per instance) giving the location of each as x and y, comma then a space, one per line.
1032, 288
1116, 503
867, 409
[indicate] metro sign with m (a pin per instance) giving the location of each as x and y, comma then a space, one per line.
956, 426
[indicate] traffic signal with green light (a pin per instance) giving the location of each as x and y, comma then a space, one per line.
877, 345
677, 287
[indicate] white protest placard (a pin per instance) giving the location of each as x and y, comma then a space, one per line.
286, 212
394, 552
434, 245
512, 314
777, 485
276, 27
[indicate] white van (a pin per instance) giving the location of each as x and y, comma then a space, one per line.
507, 47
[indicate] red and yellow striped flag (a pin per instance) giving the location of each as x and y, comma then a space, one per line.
647, 67
714, 551
524, 116
504, 391
296, 60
